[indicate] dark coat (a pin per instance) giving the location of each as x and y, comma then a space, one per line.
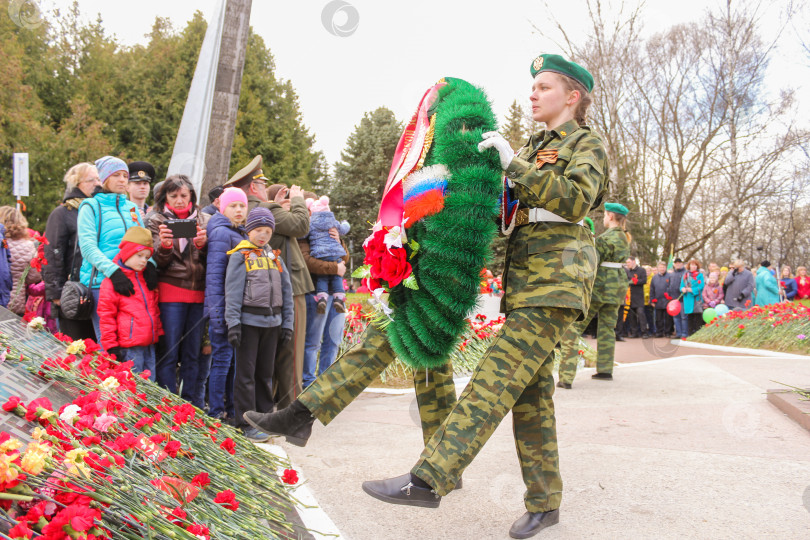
659, 290
638, 278
61, 234
675, 277
739, 285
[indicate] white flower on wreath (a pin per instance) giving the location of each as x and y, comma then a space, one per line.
393, 237
37, 323
378, 303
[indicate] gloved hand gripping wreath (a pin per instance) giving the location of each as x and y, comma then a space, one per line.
435, 225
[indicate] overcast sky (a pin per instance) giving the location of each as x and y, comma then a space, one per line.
395, 50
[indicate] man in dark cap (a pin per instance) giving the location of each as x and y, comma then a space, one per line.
673, 293
141, 174
291, 223
213, 200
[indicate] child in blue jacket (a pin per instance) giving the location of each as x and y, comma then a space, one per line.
225, 231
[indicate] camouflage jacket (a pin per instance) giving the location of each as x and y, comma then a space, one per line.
611, 283
548, 263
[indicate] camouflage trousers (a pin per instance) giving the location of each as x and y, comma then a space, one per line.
605, 341
514, 374
344, 380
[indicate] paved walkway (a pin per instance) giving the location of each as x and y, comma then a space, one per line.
681, 447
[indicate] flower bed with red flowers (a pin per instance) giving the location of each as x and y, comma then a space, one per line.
778, 327
126, 459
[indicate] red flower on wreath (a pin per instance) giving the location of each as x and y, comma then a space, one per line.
394, 267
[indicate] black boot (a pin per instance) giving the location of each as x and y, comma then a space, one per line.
294, 422
603, 376
565, 385
532, 523
403, 490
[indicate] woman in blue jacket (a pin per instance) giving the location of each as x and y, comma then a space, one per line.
767, 286
788, 284
692, 288
102, 222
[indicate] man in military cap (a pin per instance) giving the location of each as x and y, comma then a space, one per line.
613, 247
141, 174
290, 225
558, 177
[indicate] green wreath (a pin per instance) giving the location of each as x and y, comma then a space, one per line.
453, 244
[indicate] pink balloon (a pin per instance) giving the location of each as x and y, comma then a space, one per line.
674, 307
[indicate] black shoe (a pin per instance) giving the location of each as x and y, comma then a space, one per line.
293, 422
603, 376
401, 490
645, 336
532, 523
321, 307
458, 485
565, 385
620, 338
340, 305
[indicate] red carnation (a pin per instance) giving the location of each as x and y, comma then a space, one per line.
290, 476
229, 446
201, 480
11, 404
199, 530
20, 530
227, 499
172, 448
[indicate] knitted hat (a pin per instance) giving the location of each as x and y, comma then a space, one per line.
260, 217
318, 205
135, 239
215, 192
231, 195
108, 165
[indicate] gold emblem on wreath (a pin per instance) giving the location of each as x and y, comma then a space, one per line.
538, 63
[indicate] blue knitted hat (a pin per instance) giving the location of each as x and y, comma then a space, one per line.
108, 165
260, 217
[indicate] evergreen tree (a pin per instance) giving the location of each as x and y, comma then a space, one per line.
513, 131
361, 173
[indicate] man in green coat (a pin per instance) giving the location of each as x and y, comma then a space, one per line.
608, 292
558, 178
291, 223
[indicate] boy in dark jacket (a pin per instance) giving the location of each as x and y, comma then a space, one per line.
130, 325
259, 313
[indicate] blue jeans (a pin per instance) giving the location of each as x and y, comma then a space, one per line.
143, 357
203, 369
94, 316
328, 283
220, 380
183, 327
681, 324
324, 335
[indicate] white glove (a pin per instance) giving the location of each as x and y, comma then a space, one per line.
493, 139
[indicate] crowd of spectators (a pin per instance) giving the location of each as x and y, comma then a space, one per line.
172, 315
645, 312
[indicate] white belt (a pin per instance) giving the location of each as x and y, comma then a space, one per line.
611, 265
541, 214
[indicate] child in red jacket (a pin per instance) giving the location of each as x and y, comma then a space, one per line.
130, 325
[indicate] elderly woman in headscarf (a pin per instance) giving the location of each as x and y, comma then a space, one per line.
101, 225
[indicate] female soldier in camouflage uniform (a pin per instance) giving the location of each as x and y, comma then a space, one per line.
611, 282
558, 177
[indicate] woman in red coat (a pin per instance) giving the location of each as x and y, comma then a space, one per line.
130, 325
803, 283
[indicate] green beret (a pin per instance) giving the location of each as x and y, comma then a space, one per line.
588, 221
558, 64
616, 208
